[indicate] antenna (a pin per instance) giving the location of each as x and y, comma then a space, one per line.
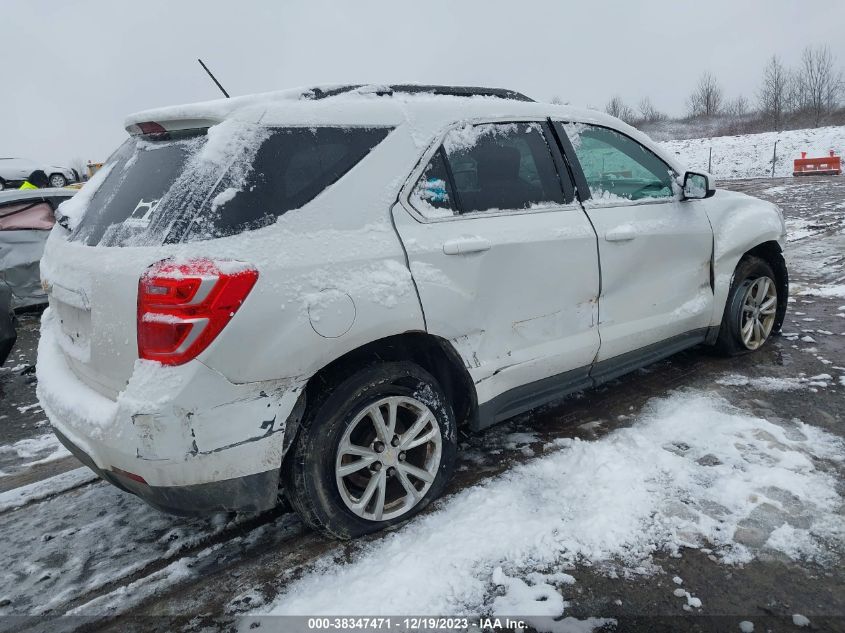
213, 78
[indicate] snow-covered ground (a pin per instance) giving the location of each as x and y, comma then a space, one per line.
750, 155
692, 472
738, 462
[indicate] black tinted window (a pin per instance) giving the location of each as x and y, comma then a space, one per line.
502, 166
204, 185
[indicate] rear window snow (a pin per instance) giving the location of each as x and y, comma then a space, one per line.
202, 184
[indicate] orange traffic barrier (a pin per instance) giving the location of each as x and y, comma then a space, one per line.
825, 166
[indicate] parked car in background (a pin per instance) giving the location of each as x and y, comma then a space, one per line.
316, 289
13, 171
8, 335
26, 218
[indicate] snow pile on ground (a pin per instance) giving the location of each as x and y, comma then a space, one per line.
692, 472
830, 292
773, 383
750, 155
30, 452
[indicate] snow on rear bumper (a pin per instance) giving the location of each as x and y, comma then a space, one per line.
182, 426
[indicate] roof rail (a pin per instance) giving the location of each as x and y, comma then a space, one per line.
454, 91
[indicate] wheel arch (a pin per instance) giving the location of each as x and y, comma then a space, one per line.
772, 253
432, 353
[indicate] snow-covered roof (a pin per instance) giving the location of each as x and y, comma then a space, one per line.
426, 113
364, 104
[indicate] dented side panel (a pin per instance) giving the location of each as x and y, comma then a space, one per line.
740, 222
523, 310
655, 263
173, 426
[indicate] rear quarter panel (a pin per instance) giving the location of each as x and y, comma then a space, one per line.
332, 276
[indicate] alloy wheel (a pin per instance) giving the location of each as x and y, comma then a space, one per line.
759, 306
388, 458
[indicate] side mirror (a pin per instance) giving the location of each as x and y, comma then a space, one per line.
698, 186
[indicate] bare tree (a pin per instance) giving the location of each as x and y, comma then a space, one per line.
616, 107
706, 99
821, 82
737, 108
794, 97
648, 113
774, 94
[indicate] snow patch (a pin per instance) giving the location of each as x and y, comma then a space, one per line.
45, 488
830, 292
693, 472
771, 383
800, 620
750, 155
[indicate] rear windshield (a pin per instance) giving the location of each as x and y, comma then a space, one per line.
203, 184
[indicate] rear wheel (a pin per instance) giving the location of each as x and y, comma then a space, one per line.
373, 451
58, 180
751, 311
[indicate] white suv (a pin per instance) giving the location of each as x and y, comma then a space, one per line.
311, 291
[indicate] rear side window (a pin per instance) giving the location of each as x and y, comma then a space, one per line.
491, 166
616, 167
434, 193
204, 184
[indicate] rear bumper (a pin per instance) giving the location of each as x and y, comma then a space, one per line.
184, 439
251, 493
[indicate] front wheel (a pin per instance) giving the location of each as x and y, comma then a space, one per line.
751, 311
373, 451
58, 181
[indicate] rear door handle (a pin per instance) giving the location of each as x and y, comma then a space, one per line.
466, 244
624, 233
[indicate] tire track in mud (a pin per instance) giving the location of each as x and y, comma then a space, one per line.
45, 490
232, 541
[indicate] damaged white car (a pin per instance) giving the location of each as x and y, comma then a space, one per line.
310, 292
26, 217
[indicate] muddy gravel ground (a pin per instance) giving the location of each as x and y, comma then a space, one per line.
147, 571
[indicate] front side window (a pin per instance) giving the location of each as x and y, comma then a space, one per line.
489, 167
616, 167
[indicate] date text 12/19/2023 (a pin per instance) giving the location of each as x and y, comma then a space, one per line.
413, 623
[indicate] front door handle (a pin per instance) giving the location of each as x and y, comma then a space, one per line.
623, 233
466, 244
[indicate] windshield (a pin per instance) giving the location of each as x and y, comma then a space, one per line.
203, 184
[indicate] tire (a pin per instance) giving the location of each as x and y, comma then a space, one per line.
750, 291
2, 184
343, 417
58, 181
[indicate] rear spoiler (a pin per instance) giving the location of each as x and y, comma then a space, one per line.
162, 127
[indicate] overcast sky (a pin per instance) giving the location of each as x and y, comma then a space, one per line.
73, 69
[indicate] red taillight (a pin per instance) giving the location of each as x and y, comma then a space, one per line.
131, 476
182, 307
